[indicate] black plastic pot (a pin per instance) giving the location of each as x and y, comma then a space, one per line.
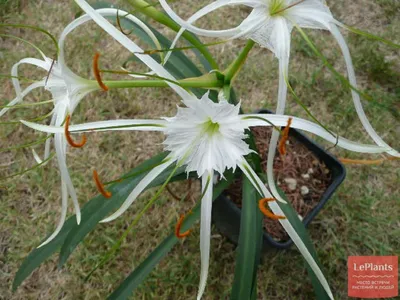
226, 215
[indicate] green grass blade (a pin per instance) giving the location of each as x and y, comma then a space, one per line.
91, 217
372, 36
301, 230
35, 28
245, 279
140, 273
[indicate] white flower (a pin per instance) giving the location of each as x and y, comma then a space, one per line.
212, 130
67, 90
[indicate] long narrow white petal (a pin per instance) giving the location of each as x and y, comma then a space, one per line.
30, 61
280, 38
47, 145
279, 120
97, 16
356, 97
60, 146
64, 206
313, 14
141, 125
280, 110
36, 157
258, 184
21, 96
139, 189
227, 33
205, 230
202, 12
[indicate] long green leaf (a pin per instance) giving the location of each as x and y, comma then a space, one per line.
39, 255
144, 269
259, 241
301, 230
245, 280
91, 217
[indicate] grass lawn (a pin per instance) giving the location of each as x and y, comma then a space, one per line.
362, 218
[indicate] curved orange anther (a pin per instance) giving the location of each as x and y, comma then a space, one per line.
178, 226
68, 136
96, 72
266, 211
285, 136
348, 161
100, 186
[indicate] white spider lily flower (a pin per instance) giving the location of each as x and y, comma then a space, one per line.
67, 90
270, 24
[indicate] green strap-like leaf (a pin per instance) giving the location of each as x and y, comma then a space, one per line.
248, 250
301, 230
39, 255
91, 217
144, 269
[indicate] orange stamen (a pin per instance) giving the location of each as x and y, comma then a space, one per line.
96, 72
69, 138
178, 226
266, 211
100, 186
285, 136
348, 161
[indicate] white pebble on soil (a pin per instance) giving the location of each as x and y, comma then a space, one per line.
304, 190
310, 171
292, 183
305, 176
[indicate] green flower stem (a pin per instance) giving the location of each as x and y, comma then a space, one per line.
239, 61
185, 83
148, 10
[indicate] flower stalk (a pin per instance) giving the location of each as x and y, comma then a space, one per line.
234, 68
208, 81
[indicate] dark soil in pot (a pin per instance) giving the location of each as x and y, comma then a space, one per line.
299, 173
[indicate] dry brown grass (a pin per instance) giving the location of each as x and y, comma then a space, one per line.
362, 218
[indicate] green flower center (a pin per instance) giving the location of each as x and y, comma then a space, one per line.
277, 7
210, 128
